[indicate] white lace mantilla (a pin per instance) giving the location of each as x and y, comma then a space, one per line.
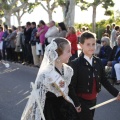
43, 85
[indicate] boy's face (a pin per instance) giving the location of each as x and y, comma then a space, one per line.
89, 46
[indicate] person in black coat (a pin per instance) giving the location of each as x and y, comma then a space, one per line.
28, 52
113, 59
105, 50
88, 76
33, 45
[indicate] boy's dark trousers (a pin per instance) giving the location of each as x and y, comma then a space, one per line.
86, 113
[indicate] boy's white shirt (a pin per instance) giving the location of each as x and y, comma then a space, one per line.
88, 59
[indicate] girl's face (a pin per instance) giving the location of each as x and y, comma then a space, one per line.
89, 46
64, 58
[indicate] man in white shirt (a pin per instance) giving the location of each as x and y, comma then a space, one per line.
113, 36
52, 31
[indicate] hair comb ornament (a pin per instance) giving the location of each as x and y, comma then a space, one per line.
51, 51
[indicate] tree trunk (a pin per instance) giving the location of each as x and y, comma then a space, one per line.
7, 18
69, 12
94, 19
49, 15
19, 20
64, 11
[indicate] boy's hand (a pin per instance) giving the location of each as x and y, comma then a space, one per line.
118, 97
78, 109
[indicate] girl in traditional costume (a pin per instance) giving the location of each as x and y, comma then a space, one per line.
51, 86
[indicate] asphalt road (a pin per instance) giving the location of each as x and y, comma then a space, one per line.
15, 89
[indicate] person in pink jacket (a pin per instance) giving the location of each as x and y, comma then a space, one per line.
41, 31
41, 34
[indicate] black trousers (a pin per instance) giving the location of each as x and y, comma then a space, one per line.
10, 54
19, 56
4, 50
28, 53
85, 113
23, 53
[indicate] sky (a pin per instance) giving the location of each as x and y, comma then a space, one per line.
80, 16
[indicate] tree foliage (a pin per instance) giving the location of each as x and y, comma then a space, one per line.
109, 12
106, 4
48, 6
15, 7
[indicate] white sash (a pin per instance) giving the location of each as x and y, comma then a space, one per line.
54, 78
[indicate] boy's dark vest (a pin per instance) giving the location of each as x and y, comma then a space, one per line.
85, 72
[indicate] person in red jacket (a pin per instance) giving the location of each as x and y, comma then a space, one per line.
72, 37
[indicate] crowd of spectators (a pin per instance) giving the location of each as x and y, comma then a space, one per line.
26, 44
